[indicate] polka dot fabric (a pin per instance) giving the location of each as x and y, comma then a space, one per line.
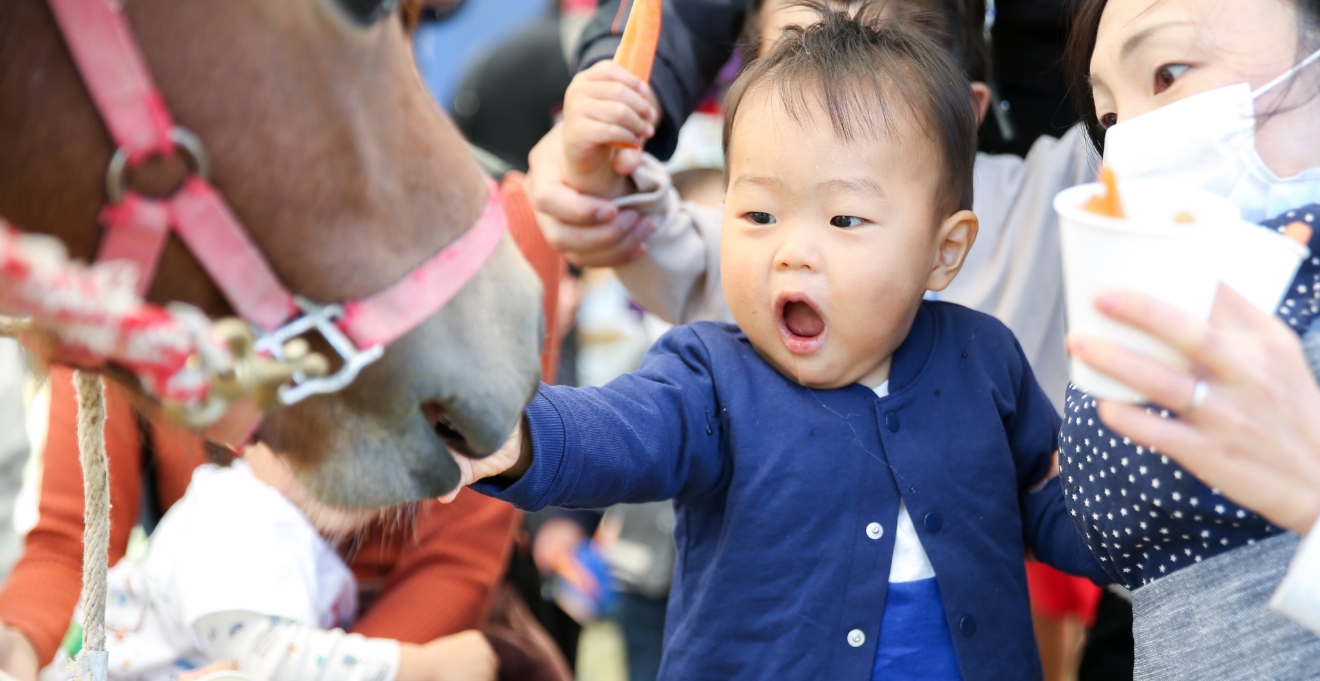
1141, 513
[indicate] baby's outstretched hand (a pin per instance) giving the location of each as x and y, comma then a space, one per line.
511, 460
605, 109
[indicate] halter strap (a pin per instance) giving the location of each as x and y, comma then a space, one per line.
137, 227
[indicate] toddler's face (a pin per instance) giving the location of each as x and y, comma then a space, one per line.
828, 245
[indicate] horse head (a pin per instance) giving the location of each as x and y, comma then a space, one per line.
345, 173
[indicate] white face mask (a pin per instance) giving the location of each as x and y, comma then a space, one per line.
1208, 140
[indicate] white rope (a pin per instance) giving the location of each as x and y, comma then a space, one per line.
13, 327
96, 510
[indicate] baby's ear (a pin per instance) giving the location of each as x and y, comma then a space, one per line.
952, 242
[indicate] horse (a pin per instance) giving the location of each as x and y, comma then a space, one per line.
346, 175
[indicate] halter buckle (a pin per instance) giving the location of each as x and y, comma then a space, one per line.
184, 140
320, 318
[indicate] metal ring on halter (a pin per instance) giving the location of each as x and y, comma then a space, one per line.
1199, 393
184, 139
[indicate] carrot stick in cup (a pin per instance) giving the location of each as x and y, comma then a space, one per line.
1298, 231
636, 50
1109, 202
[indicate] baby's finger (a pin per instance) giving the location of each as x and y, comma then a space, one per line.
607, 70
588, 135
627, 160
615, 113
622, 94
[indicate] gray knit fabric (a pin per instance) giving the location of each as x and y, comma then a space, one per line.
1213, 621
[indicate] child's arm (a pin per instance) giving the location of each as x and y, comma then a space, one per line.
276, 648
677, 276
647, 436
605, 108
1032, 427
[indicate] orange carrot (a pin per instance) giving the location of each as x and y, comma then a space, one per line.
1109, 202
640, 37
1298, 231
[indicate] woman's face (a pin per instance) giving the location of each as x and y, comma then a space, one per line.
1150, 53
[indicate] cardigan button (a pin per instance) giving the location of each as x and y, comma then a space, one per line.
856, 638
891, 422
875, 530
967, 626
933, 522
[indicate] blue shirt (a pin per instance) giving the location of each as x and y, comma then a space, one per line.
774, 487
914, 640
1143, 514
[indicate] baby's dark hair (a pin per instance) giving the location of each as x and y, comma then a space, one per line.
863, 72
957, 25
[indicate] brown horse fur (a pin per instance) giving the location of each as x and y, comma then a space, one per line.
347, 175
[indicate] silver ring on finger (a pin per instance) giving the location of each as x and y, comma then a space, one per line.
1199, 393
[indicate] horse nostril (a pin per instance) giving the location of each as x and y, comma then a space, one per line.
444, 427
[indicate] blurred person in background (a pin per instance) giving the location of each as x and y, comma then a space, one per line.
13, 449
435, 573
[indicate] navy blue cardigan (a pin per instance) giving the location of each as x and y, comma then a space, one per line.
775, 484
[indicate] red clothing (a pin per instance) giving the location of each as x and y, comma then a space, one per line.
434, 577
1056, 595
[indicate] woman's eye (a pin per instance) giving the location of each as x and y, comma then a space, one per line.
1165, 75
760, 218
1108, 120
846, 221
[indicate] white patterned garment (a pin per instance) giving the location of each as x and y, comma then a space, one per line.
232, 543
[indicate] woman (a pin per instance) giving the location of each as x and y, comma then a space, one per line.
1201, 567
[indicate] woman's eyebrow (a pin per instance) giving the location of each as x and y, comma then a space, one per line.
1135, 41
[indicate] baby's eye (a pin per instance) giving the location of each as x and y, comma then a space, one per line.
846, 221
760, 218
1165, 75
1108, 120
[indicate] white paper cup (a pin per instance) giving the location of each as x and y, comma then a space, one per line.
1148, 252
1260, 263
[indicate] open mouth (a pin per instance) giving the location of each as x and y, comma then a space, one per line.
445, 428
800, 323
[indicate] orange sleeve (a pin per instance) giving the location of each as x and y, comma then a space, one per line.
446, 570
42, 591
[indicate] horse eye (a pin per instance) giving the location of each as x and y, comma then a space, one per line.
367, 12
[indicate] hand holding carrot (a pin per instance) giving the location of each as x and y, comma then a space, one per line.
605, 108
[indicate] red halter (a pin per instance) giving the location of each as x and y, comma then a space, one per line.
137, 227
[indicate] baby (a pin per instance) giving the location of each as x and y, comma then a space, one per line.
241, 573
857, 473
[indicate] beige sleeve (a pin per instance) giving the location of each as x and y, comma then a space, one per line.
678, 278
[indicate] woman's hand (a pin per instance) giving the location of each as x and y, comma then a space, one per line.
18, 659
465, 656
511, 460
1256, 434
